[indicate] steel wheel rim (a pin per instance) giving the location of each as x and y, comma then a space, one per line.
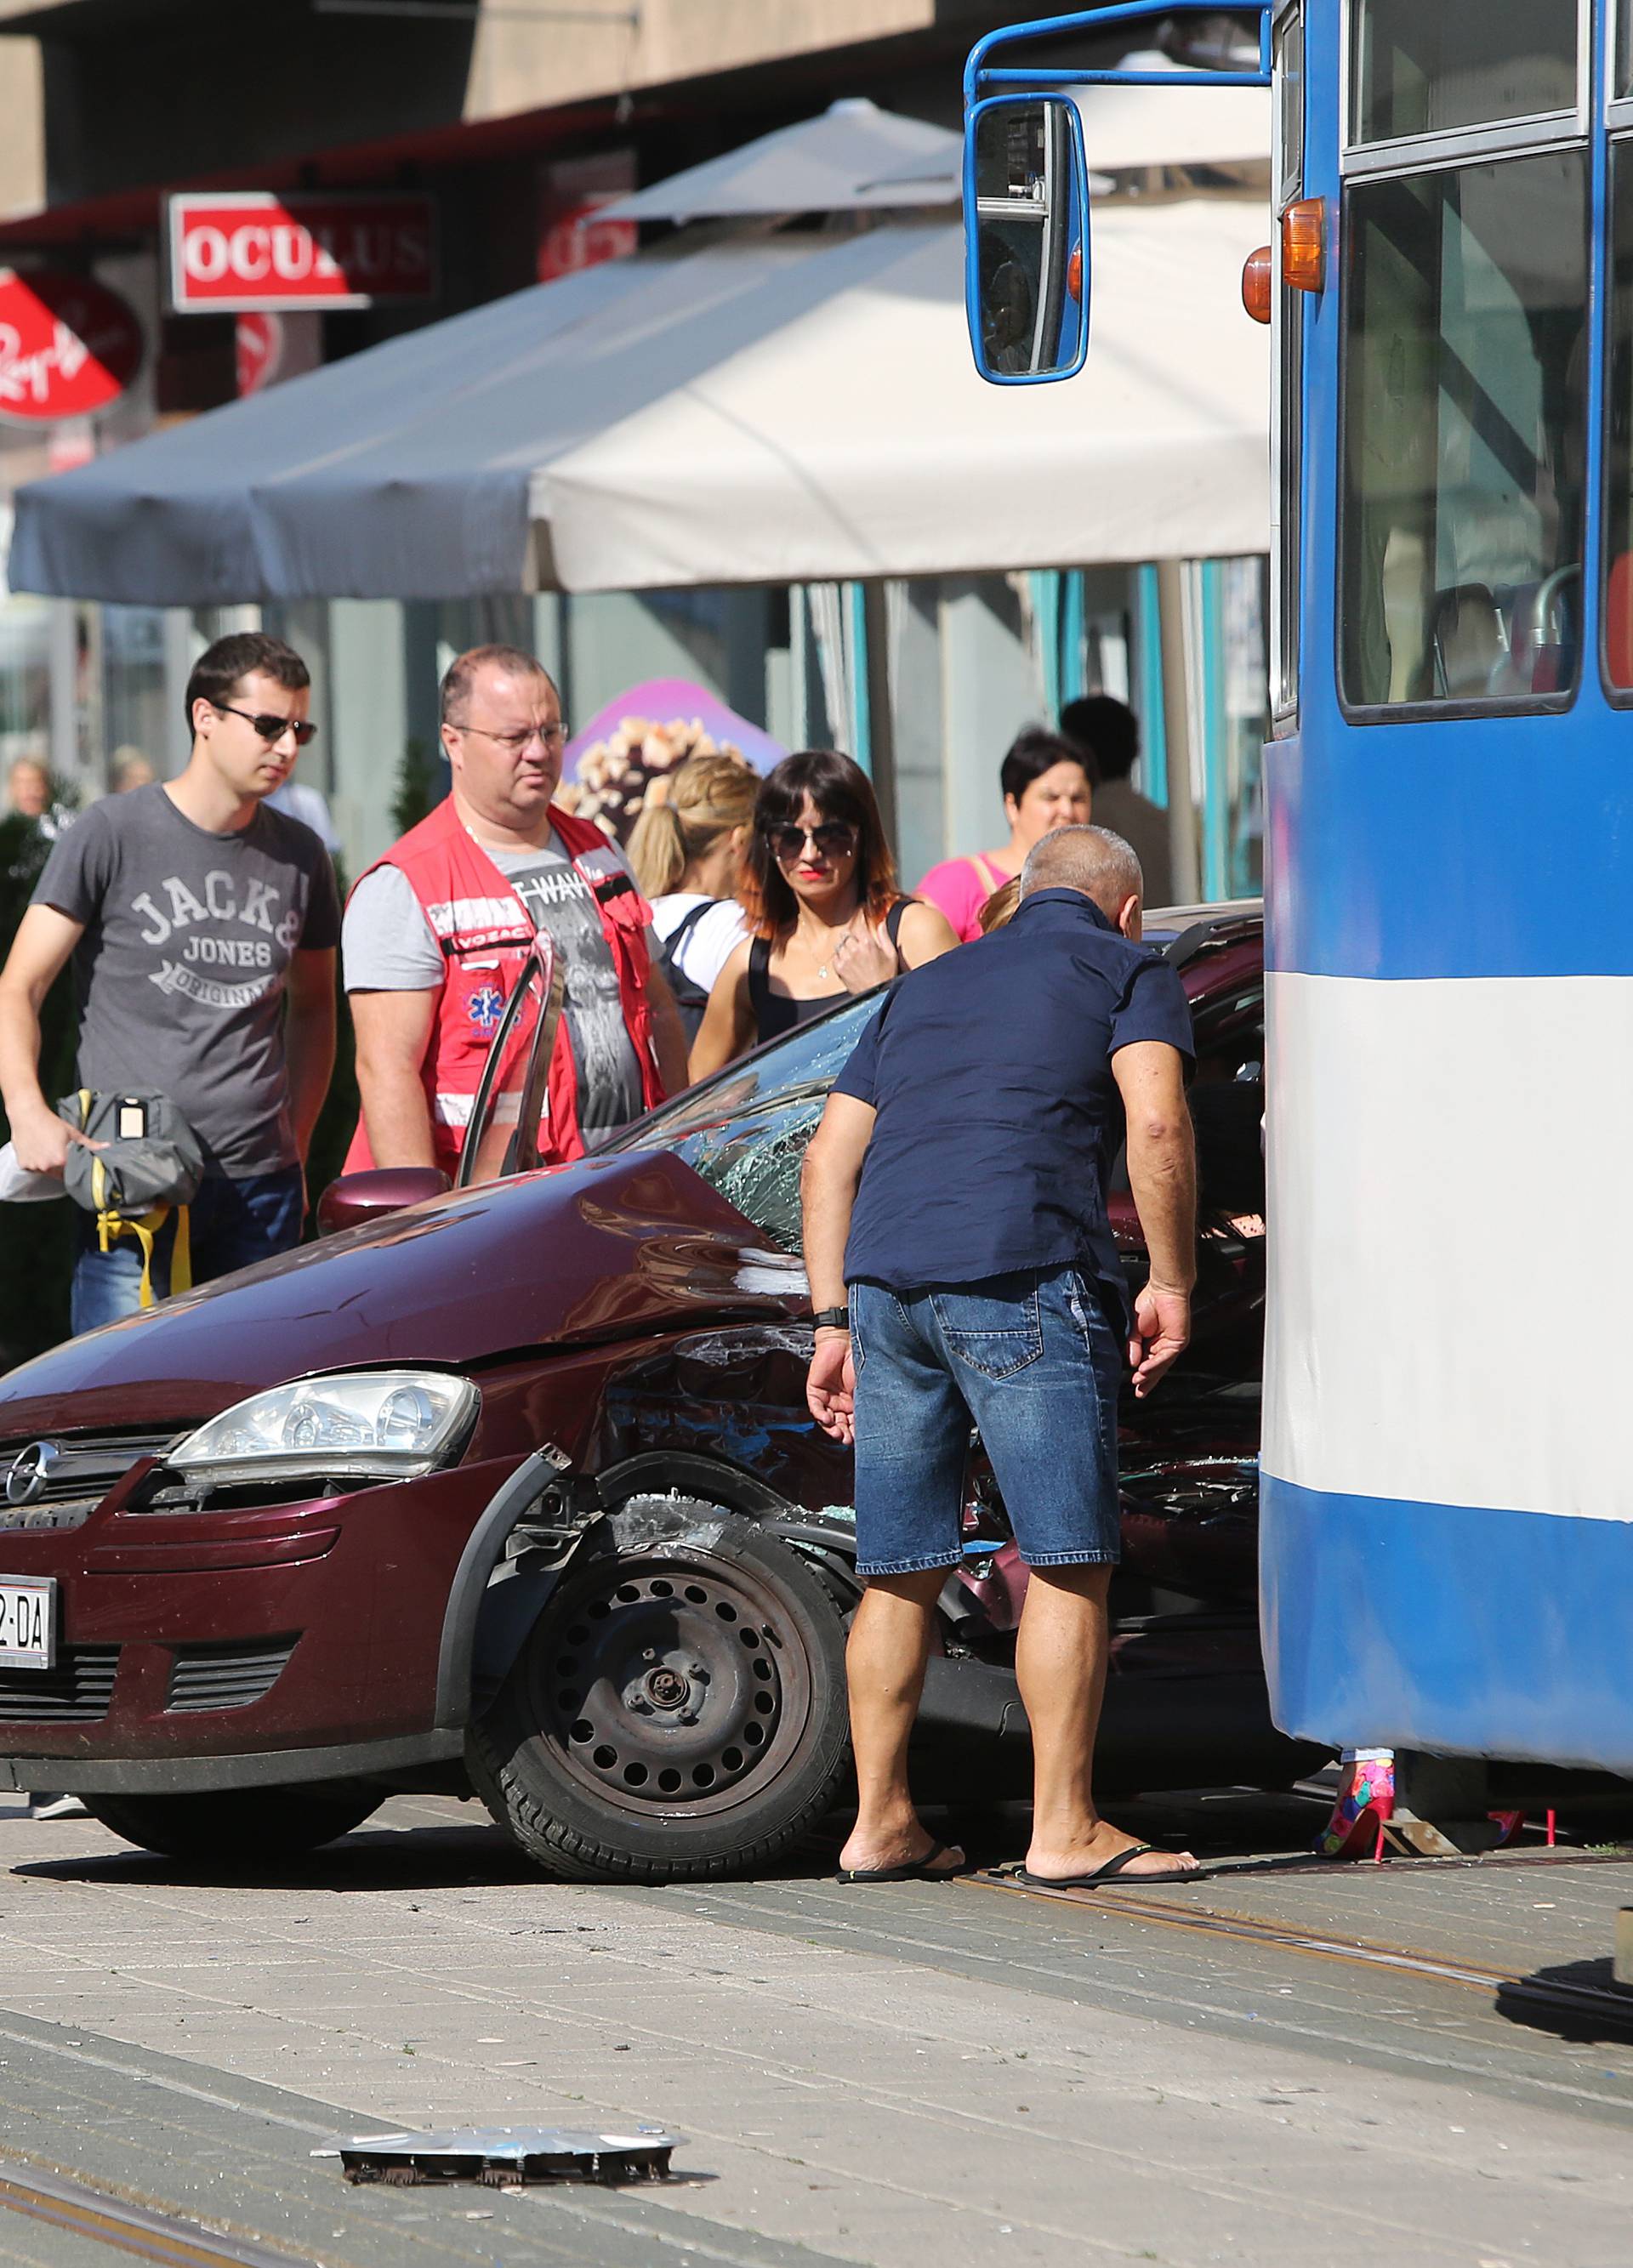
671, 1687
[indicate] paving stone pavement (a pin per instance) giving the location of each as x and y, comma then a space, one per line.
927, 2076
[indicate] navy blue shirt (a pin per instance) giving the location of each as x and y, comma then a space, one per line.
998, 1115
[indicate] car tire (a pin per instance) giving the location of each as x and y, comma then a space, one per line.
236, 1827
677, 1712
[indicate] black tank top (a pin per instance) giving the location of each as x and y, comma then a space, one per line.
775, 1012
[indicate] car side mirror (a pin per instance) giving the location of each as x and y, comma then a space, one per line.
357, 1197
1026, 239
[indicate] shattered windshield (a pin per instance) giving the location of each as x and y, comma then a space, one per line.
745, 1129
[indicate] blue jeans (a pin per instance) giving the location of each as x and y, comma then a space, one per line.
231, 1225
1031, 1359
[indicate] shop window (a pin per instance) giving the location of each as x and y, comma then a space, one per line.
1465, 386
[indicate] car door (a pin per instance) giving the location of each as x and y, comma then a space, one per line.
509, 1112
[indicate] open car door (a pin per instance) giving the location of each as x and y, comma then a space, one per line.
510, 1113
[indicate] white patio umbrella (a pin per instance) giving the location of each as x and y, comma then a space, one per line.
855, 438
854, 157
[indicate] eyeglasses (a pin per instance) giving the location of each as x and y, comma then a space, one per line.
271, 729
548, 736
833, 838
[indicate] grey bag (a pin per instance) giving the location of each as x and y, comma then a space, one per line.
150, 1163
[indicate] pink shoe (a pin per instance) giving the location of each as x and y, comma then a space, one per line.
1366, 1799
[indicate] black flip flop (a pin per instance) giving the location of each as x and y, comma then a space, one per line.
1107, 1873
916, 1870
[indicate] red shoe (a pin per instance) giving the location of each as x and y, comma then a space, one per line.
1366, 1799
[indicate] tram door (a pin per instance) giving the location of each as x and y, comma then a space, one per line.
1446, 1496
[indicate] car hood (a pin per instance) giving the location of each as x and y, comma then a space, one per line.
573, 1253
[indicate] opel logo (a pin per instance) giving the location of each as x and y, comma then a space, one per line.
31, 1471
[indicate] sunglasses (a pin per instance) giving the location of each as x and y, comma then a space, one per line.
833, 838
271, 729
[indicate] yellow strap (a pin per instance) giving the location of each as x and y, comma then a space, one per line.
111, 1225
182, 1255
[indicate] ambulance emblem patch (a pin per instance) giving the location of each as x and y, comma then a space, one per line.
486, 1006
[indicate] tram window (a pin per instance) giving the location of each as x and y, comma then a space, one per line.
1290, 352
1465, 414
1451, 65
1290, 124
1618, 427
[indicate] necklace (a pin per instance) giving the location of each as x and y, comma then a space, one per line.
824, 968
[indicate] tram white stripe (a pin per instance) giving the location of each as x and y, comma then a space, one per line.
1451, 1241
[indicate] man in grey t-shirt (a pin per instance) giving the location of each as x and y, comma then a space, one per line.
201, 929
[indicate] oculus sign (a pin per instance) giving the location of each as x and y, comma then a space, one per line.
254, 251
69, 347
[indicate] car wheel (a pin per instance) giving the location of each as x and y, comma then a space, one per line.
677, 1713
237, 1827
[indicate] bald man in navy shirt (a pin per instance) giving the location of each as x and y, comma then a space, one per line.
962, 1269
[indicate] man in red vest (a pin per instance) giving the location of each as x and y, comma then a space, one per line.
436, 930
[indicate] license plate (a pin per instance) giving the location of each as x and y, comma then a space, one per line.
27, 1621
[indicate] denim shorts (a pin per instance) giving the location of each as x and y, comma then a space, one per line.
1032, 1361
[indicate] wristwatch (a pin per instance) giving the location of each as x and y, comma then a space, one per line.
831, 1319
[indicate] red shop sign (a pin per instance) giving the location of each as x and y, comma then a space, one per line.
69, 347
245, 252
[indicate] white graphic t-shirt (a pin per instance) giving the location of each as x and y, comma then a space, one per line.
182, 968
389, 947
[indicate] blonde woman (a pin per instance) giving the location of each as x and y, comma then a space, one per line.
687, 853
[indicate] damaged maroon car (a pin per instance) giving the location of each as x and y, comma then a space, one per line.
512, 1488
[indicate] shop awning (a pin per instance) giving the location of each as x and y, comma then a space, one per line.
786, 409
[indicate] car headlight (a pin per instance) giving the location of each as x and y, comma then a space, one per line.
388, 1425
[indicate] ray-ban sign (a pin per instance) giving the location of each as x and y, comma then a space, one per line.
239, 253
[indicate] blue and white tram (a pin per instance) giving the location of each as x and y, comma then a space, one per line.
1447, 1552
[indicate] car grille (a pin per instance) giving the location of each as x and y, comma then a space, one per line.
87, 1466
73, 1514
79, 1690
226, 1676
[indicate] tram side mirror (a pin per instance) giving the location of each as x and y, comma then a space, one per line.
1026, 239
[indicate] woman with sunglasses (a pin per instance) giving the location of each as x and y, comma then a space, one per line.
825, 918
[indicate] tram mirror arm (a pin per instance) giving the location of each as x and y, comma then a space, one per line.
1026, 189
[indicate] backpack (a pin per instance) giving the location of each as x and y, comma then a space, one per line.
690, 998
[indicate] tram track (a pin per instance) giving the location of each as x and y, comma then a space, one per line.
140, 2231
1358, 1952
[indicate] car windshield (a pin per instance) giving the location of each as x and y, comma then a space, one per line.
745, 1129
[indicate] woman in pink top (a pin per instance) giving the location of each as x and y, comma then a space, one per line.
1046, 784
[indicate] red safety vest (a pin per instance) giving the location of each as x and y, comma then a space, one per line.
485, 930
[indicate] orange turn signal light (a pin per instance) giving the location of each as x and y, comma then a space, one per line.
1303, 245
1075, 274
1258, 283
